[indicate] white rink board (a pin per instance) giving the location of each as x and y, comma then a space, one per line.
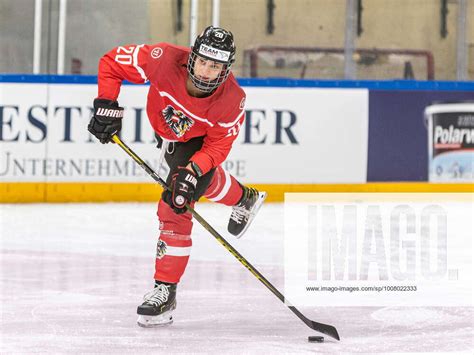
331, 130
291, 135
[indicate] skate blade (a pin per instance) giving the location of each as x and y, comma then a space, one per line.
262, 195
155, 321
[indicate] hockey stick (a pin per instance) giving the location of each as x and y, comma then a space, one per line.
320, 327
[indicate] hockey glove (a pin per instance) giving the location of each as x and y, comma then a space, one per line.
106, 121
183, 185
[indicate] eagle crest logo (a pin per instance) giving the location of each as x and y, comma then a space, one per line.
177, 120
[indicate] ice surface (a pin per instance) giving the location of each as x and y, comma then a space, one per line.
72, 276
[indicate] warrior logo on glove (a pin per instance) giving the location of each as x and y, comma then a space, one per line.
109, 112
177, 120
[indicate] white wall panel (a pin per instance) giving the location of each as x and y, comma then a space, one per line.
291, 135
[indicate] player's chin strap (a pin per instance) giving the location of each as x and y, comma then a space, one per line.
320, 327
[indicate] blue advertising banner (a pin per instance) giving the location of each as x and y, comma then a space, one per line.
398, 137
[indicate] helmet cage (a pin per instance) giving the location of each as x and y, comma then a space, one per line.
207, 85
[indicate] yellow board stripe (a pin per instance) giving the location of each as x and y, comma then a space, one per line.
149, 192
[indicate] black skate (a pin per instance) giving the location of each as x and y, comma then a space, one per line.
157, 306
245, 210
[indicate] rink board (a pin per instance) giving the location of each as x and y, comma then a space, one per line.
150, 192
302, 138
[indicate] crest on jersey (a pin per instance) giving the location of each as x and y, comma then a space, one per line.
177, 120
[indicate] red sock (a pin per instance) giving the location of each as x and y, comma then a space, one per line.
176, 233
224, 188
171, 267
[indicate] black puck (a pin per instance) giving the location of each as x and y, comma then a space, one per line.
315, 339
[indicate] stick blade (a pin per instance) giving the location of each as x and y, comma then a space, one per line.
327, 329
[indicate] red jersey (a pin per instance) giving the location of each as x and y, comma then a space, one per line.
173, 113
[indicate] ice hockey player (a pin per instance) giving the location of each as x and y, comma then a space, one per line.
196, 109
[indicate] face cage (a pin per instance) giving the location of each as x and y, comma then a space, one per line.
206, 85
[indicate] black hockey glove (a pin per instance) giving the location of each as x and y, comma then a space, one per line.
183, 185
106, 121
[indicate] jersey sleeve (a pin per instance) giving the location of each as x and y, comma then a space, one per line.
218, 141
127, 62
